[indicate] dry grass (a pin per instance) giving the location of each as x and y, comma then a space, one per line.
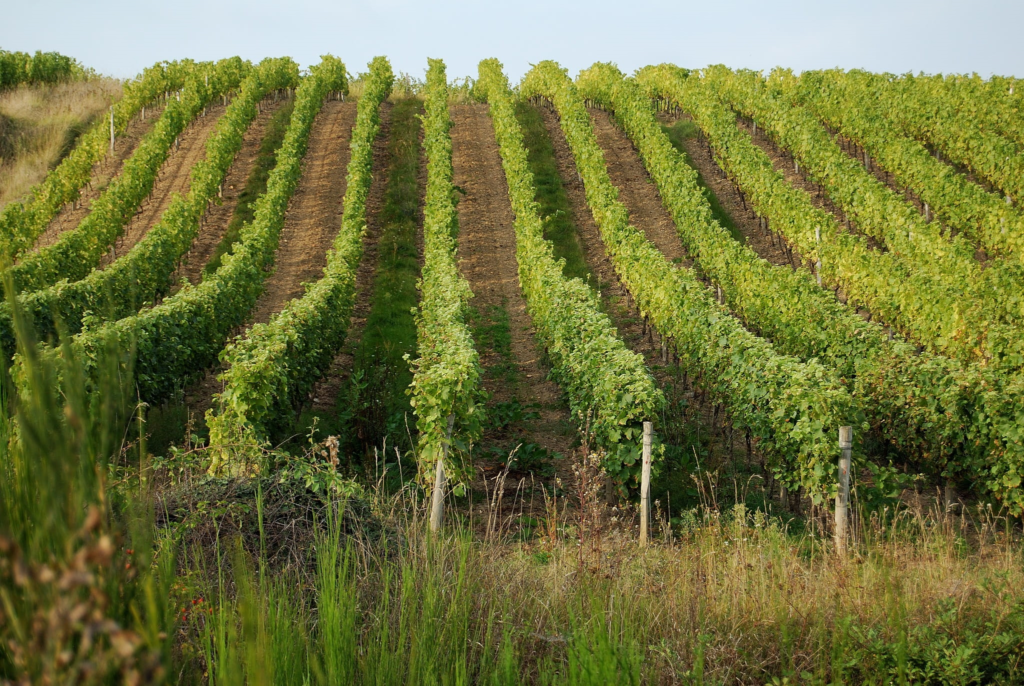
739, 598
730, 597
39, 126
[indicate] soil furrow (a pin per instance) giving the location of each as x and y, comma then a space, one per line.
636, 189
487, 258
174, 177
729, 198
314, 213
218, 216
102, 173
638, 193
325, 392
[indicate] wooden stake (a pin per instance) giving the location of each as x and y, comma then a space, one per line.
645, 483
817, 265
843, 496
437, 499
111, 129
949, 495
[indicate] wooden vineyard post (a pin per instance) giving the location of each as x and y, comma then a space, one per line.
437, 499
817, 240
645, 484
111, 129
843, 496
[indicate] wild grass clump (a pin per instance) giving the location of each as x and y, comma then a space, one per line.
567, 596
39, 126
118, 566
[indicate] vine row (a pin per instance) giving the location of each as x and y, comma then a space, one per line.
446, 373
871, 205
275, 365
162, 348
928, 312
610, 390
846, 104
794, 408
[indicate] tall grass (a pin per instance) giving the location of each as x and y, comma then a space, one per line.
723, 597
40, 125
83, 584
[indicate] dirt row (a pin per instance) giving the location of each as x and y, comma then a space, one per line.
311, 222
218, 216
487, 259
728, 196
103, 171
314, 213
325, 392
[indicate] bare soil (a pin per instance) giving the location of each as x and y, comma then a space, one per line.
218, 216
174, 177
487, 258
728, 197
314, 214
103, 172
313, 218
325, 392
636, 189
647, 213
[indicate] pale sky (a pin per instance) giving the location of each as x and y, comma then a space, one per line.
119, 38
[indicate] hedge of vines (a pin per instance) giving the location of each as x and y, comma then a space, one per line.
273, 368
848, 105
610, 390
446, 373
927, 311
794, 408
950, 418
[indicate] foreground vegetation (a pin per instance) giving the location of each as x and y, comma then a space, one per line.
135, 550
146, 570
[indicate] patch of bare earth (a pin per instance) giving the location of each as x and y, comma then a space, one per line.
314, 213
103, 172
647, 213
325, 392
174, 177
487, 258
218, 216
311, 222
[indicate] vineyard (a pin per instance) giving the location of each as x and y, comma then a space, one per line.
337, 376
